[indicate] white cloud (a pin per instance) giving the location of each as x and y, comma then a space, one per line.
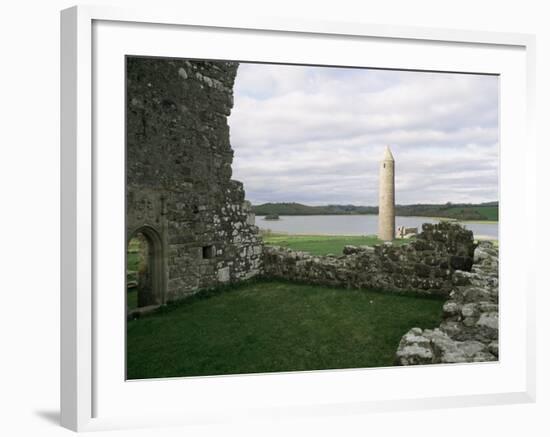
315, 135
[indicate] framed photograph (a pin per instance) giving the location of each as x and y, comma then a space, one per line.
272, 219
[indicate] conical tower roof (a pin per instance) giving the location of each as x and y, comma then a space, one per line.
387, 154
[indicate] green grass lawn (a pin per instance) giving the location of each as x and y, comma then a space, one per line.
132, 261
273, 326
131, 299
323, 244
132, 266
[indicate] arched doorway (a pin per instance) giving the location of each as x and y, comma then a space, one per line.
145, 272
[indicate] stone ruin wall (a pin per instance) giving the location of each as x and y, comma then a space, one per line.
470, 326
427, 265
179, 174
443, 260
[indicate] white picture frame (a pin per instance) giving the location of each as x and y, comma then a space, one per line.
87, 373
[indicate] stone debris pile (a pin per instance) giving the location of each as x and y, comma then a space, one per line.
469, 331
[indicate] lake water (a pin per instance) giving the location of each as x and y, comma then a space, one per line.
356, 224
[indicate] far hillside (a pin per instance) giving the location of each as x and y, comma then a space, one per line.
464, 211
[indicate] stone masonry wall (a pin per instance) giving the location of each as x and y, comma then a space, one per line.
179, 186
469, 330
427, 265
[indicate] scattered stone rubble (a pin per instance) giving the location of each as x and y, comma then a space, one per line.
469, 331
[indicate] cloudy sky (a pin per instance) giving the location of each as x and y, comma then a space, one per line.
315, 135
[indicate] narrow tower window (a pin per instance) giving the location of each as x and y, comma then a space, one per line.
207, 252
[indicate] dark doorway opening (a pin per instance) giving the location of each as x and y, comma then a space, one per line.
143, 270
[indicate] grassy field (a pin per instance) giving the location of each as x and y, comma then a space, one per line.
485, 213
132, 255
131, 299
132, 261
323, 244
132, 265
272, 327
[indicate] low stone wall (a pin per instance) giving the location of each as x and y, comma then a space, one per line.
426, 265
469, 331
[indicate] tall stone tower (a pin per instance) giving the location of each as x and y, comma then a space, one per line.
386, 201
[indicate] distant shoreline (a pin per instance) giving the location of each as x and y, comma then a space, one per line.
481, 212
488, 222
324, 234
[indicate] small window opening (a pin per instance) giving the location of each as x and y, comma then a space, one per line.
207, 252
